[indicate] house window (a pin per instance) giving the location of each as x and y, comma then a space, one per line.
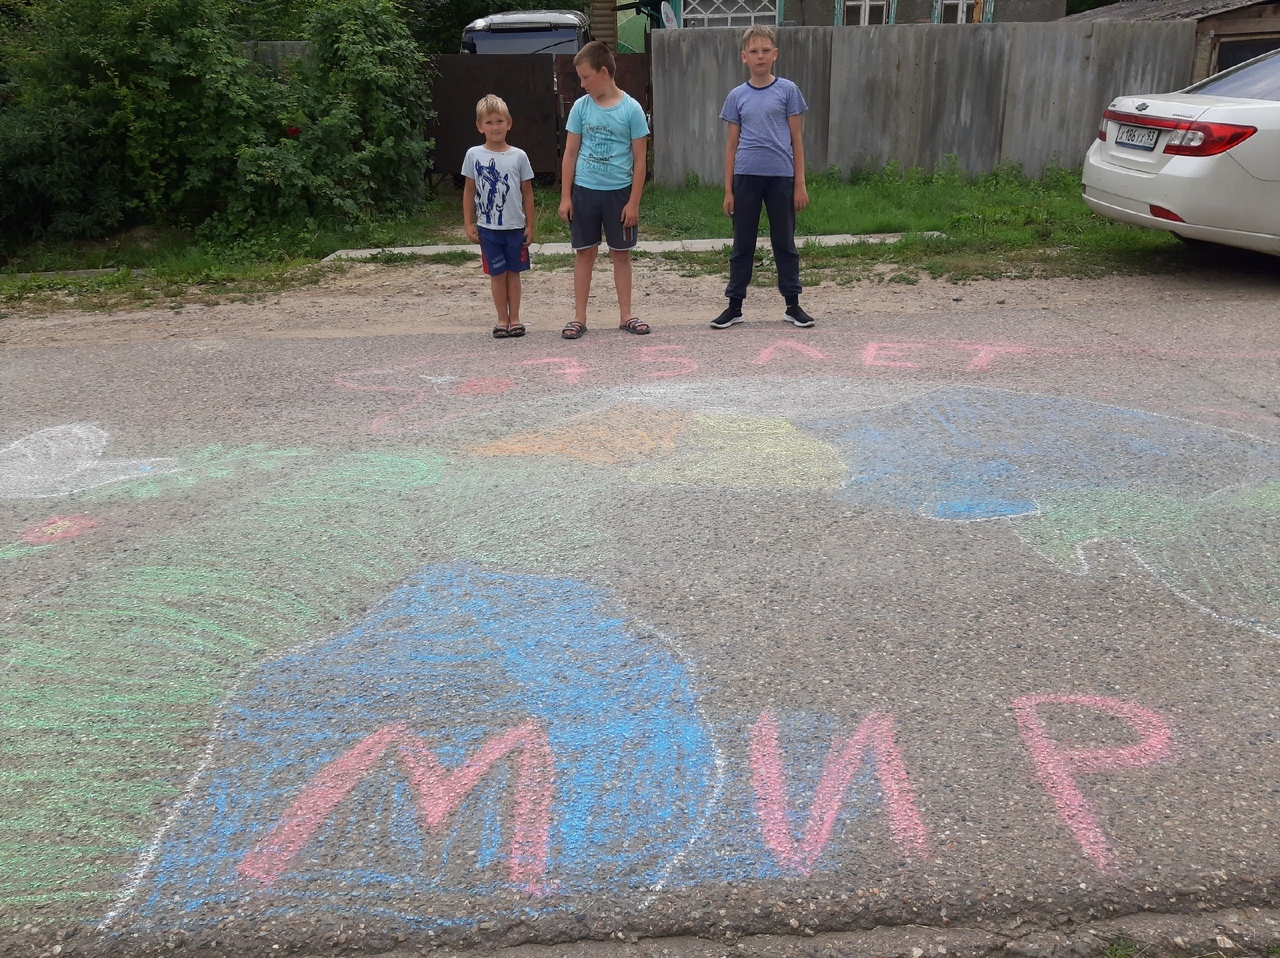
867, 12
954, 11
729, 13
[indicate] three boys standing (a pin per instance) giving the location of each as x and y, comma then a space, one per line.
603, 174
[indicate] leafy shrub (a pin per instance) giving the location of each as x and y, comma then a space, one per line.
148, 111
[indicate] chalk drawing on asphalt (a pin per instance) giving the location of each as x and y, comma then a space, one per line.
39, 537
1141, 486
67, 459
175, 622
1059, 769
444, 691
741, 452
213, 463
622, 435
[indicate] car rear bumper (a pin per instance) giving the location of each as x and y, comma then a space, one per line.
1127, 195
1128, 211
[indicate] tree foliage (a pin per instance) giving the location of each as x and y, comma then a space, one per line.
149, 111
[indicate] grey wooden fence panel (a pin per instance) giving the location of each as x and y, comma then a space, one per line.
804, 58
693, 70
914, 94
1063, 75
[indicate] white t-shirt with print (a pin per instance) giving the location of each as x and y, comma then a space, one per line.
498, 177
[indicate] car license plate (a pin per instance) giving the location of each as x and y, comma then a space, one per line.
1137, 137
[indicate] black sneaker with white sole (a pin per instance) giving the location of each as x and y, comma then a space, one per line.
727, 318
796, 316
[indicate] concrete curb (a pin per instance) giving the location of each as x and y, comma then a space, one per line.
647, 246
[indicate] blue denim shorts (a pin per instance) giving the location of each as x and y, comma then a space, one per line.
503, 251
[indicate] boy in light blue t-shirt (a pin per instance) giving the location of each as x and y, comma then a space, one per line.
763, 166
601, 180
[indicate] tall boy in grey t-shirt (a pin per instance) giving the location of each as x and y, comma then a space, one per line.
763, 167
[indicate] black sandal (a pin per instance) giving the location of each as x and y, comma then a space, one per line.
501, 332
515, 330
573, 330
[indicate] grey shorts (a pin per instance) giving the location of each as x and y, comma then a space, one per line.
596, 210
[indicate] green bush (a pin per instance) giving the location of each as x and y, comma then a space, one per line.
358, 106
147, 111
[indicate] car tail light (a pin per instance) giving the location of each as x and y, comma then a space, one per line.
1161, 213
1186, 137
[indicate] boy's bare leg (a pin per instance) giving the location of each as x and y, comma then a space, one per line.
622, 281
584, 261
513, 297
498, 285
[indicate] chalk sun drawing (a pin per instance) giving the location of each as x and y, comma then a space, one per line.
67, 459
455, 742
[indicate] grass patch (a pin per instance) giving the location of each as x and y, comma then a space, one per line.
1001, 225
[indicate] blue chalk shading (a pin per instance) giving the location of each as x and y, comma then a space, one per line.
966, 454
459, 655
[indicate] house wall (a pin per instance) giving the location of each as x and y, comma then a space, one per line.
821, 13
1029, 94
1260, 22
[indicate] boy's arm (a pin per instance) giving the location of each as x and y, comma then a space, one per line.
730, 152
801, 192
572, 143
526, 194
639, 170
469, 209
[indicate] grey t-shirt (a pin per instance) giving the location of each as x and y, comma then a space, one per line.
499, 204
761, 113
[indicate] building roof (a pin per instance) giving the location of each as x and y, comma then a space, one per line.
1164, 9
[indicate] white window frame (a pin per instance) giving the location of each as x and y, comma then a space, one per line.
729, 13
864, 8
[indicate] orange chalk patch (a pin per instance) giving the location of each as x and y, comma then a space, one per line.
623, 435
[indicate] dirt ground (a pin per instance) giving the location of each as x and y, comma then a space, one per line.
375, 300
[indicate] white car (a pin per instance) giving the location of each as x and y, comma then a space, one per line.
1203, 163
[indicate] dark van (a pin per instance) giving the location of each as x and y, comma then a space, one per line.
528, 31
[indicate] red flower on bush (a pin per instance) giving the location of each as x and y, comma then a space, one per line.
58, 527
293, 131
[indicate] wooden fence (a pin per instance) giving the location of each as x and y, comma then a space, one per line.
1029, 94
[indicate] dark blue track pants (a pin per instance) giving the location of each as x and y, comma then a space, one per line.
777, 195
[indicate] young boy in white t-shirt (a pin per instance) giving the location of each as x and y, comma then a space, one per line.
497, 210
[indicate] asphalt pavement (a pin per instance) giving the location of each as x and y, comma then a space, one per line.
900, 635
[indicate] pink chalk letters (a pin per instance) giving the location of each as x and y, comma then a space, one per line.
1058, 769
439, 792
875, 732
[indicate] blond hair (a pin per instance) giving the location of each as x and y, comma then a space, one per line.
761, 30
492, 104
597, 56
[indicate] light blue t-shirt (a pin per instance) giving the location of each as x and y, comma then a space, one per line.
498, 176
605, 161
761, 113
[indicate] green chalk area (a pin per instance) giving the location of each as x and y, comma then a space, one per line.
111, 685
1222, 552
